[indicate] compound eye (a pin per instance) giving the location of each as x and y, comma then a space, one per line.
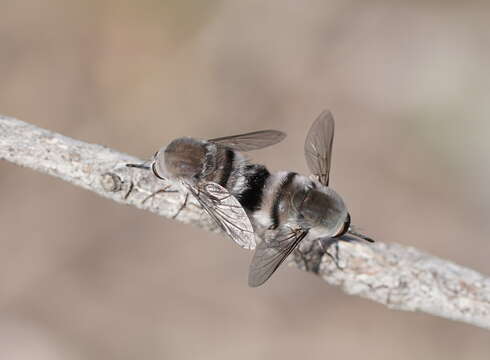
346, 224
185, 168
158, 165
155, 171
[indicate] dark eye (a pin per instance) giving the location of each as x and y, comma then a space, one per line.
153, 168
345, 227
346, 224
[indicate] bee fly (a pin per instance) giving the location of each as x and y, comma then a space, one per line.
296, 206
219, 177
246, 199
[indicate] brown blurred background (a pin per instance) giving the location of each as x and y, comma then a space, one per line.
84, 278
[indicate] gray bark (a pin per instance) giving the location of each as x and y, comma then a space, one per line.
397, 276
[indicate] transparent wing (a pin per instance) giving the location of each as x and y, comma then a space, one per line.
318, 146
251, 141
270, 254
226, 211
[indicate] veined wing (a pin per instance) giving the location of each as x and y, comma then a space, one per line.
318, 146
251, 141
270, 254
226, 211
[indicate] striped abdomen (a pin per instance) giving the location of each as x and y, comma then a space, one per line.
243, 180
272, 200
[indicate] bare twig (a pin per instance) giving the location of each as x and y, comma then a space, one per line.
400, 277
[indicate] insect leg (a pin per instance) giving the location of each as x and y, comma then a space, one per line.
325, 243
184, 204
131, 187
303, 258
164, 190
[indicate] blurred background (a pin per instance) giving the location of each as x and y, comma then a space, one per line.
82, 277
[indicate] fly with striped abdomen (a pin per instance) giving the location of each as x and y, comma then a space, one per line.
296, 206
219, 176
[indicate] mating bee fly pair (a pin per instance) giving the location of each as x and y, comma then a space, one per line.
247, 201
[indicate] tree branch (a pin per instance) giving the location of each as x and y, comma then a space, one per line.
399, 277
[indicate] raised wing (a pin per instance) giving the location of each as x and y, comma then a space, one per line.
270, 254
318, 146
251, 141
226, 211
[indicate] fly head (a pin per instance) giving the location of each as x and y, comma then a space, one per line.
325, 208
182, 158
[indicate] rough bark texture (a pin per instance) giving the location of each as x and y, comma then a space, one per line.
400, 277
